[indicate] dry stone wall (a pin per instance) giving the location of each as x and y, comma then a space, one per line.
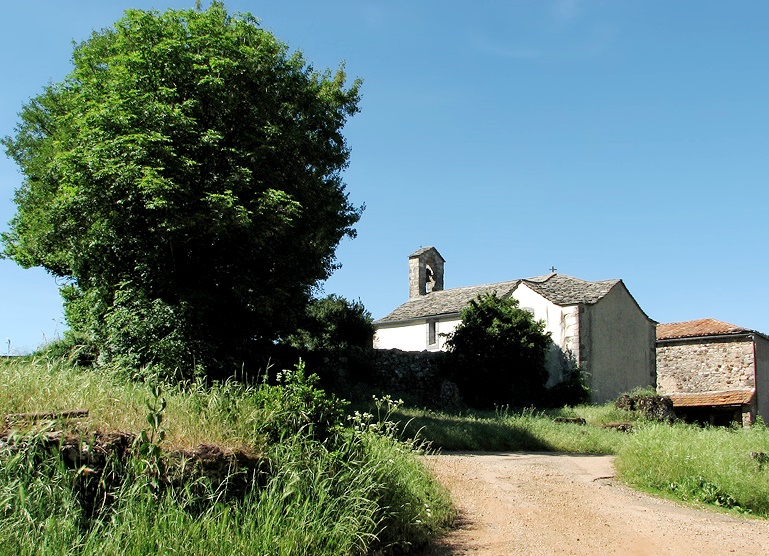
705, 366
407, 374
416, 374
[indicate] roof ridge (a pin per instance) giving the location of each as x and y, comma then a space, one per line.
706, 319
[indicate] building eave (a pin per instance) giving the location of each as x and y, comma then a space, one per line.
708, 337
425, 318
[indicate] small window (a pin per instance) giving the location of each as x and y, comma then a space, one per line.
432, 337
529, 310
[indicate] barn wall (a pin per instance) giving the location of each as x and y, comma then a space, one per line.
705, 365
762, 377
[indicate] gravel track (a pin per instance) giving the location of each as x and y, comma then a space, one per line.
567, 504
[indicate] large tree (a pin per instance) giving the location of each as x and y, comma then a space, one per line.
185, 181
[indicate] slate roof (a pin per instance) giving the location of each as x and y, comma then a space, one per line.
425, 250
565, 290
699, 399
558, 288
696, 328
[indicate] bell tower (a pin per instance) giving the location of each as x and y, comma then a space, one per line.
425, 272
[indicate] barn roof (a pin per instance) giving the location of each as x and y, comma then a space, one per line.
557, 288
697, 328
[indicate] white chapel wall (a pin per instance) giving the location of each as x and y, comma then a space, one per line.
563, 325
414, 336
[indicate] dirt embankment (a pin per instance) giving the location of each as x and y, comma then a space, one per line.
566, 504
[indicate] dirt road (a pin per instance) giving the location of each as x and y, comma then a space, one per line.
566, 504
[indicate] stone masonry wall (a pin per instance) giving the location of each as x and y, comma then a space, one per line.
416, 373
407, 374
705, 366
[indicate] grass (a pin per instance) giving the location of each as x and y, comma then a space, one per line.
223, 414
333, 487
529, 430
705, 465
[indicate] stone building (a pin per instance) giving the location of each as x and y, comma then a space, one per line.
714, 372
597, 326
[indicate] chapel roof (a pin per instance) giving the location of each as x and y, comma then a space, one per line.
557, 288
696, 328
566, 290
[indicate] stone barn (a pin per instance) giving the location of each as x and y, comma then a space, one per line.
714, 372
597, 326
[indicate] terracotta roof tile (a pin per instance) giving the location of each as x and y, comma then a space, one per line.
694, 328
727, 397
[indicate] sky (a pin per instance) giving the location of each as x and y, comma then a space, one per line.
606, 139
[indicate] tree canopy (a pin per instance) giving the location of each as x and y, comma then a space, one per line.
185, 182
497, 354
333, 322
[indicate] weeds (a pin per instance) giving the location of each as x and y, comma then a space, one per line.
150, 459
711, 465
328, 487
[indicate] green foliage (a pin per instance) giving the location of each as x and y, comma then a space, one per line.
358, 490
572, 390
412, 508
151, 461
333, 322
647, 403
73, 347
185, 179
295, 405
497, 354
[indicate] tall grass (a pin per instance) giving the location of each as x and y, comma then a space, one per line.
229, 414
332, 489
710, 465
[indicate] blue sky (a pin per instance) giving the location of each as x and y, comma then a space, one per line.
610, 139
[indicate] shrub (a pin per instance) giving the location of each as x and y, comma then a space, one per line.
333, 322
296, 405
497, 354
648, 404
573, 390
327, 489
74, 348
